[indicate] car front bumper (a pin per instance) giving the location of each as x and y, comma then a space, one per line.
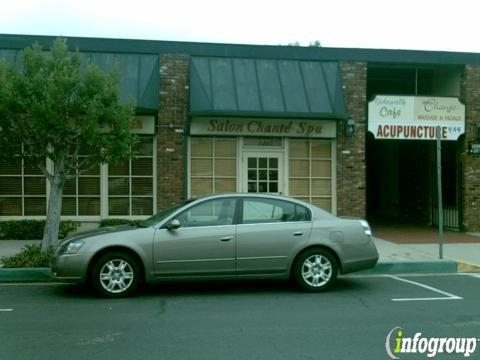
70, 268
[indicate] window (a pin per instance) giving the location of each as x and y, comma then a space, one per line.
262, 174
129, 187
209, 213
130, 183
23, 189
213, 166
310, 172
270, 210
81, 195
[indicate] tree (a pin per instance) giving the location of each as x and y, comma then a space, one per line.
54, 105
315, 43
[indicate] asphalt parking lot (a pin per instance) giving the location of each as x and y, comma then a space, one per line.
237, 320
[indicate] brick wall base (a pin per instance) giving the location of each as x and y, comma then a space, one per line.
351, 170
171, 129
470, 163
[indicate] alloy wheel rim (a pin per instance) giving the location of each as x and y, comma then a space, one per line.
316, 270
116, 276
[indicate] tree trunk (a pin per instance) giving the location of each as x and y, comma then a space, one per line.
52, 224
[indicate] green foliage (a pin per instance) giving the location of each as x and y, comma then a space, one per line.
32, 229
55, 104
67, 227
294, 43
315, 43
114, 222
29, 257
21, 230
61, 106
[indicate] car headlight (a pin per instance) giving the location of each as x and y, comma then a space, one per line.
74, 247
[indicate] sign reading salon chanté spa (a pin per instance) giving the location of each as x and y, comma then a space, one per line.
415, 117
264, 127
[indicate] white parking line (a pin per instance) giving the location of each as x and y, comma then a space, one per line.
448, 295
5, 310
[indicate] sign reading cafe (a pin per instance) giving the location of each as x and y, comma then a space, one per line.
415, 117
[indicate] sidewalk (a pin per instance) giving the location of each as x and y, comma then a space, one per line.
467, 256
409, 244
390, 251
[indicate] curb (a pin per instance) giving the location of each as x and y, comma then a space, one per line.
384, 267
418, 267
25, 275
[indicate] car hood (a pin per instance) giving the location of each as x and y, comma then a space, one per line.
100, 231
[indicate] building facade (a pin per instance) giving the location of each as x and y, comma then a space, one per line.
215, 118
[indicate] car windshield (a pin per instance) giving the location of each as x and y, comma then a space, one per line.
155, 219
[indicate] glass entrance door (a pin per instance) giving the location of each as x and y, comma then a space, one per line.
262, 172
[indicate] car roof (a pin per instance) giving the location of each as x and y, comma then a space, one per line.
257, 195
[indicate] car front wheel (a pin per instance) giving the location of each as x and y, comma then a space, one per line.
315, 270
115, 274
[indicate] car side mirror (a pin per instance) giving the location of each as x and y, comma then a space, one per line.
173, 224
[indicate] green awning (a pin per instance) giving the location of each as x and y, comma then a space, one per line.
266, 88
139, 74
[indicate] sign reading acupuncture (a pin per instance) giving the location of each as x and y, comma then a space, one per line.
264, 127
415, 117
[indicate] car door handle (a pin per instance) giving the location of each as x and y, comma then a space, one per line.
227, 238
298, 233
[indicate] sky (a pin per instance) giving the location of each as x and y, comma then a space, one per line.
406, 24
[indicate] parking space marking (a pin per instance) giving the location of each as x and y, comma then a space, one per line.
448, 296
5, 310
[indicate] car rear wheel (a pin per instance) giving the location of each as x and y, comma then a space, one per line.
315, 270
115, 274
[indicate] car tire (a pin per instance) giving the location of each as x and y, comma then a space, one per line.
315, 270
115, 275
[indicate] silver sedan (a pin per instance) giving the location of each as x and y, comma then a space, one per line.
220, 236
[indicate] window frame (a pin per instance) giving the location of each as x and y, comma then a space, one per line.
214, 177
241, 207
22, 196
236, 212
310, 197
103, 195
104, 211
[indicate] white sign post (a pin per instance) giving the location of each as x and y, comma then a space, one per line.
439, 192
419, 118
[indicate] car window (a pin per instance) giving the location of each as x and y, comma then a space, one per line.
155, 219
209, 213
271, 210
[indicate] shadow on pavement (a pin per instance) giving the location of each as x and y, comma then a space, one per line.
216, 288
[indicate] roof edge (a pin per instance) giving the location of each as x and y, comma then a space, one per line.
18, 41
268, 114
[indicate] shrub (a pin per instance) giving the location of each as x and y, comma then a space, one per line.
30, 256
32, 229
21, 229
114, 222
66, 228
